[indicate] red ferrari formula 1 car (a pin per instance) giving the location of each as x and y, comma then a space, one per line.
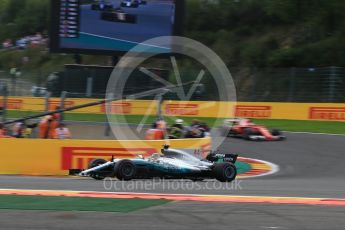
245, 128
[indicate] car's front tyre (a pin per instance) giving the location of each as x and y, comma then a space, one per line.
125, 170
247, 132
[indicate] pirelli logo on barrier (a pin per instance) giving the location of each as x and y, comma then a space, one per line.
181, 109
118, 108
327, 113
54, 104
13, 104
253, 111
80, 157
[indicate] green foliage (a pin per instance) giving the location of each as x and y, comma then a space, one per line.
270, 33
23, 17
327, 52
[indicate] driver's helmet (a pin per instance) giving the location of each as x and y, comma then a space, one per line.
161, 124
179, 122
249, 121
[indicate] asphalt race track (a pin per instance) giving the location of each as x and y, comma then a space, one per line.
185, 215
311, 165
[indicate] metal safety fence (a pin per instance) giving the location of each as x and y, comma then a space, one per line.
326, 84
291, 84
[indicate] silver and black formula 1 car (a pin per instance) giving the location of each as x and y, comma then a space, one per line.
102, 5
133, 3
118, 15
173, 164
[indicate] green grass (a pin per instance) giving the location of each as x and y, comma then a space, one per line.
333, 127
286, 125
76, 203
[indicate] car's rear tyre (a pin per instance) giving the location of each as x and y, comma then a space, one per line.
247, 132
125, 170
95, 163
225, 172
276, 132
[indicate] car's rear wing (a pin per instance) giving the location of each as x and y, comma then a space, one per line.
219, 157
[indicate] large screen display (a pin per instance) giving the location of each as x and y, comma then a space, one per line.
113, 26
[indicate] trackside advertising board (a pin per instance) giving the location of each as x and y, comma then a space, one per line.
197, 109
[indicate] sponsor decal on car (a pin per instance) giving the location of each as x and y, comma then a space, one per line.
13, 104
253, 111
181, 109
79, 157
118, 108
327, 113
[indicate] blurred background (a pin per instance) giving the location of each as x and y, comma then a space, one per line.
296, 46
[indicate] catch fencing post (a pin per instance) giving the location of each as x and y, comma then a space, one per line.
107, 129
62, 104
89, 84
253, 88
292, 84
159, 106
4, 103
46, 101
332, 83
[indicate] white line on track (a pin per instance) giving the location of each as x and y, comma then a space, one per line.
327, 134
